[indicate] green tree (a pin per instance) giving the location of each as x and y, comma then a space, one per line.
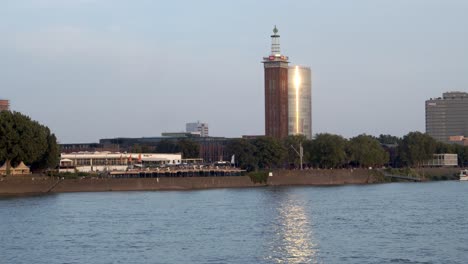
244, 153
269, 152
366, 151
441, 148
388, 139
51, 157
189, 148
327, 151
22, 139
462, 153
415, 148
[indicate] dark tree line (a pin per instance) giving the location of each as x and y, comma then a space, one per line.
325, 151
22, 139
334, 151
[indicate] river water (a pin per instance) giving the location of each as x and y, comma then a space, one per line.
383, 223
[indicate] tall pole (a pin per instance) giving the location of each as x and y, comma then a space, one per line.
300, 152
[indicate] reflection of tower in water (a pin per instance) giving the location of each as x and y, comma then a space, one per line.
294, 241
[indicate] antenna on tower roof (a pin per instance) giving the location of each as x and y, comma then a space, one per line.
275, 44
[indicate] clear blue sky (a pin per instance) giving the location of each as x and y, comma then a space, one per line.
92, 69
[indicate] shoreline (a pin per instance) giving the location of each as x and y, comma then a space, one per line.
15, 186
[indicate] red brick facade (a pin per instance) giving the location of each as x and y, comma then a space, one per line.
276, 99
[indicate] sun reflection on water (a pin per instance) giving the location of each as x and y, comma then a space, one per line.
294, 241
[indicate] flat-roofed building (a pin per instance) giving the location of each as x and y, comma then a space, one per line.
300, 101
442, 160
114, 161
447, 117
197, 128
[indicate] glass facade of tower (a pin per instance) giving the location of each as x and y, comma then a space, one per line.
447, 116
300, 101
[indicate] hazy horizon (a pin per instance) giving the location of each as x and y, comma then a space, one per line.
91, 69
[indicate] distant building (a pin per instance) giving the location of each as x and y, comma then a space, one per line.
442, 160
300, 101
88, 147
4, 105
180, 134
211, 148
252, 136
276, 90
447, 117
461, 140
201, 128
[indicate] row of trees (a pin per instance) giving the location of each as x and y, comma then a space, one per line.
325, 151
415, 148
22, 139
334, 151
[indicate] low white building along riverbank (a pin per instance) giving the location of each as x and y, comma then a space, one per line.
114, 161
442, 160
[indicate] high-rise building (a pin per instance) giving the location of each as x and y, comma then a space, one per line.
4, 105
197, 127
447, 117
300, 101
276, 90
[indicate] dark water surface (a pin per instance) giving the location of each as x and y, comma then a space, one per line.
385, 223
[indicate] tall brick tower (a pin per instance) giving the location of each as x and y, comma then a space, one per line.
276, 90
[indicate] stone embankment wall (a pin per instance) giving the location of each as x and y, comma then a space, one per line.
324, 177
15, 185
23, 185
149, 184
18, 185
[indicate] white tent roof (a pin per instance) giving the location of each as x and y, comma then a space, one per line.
22, 166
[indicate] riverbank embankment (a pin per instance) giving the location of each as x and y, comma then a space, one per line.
35, 184
325, 177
